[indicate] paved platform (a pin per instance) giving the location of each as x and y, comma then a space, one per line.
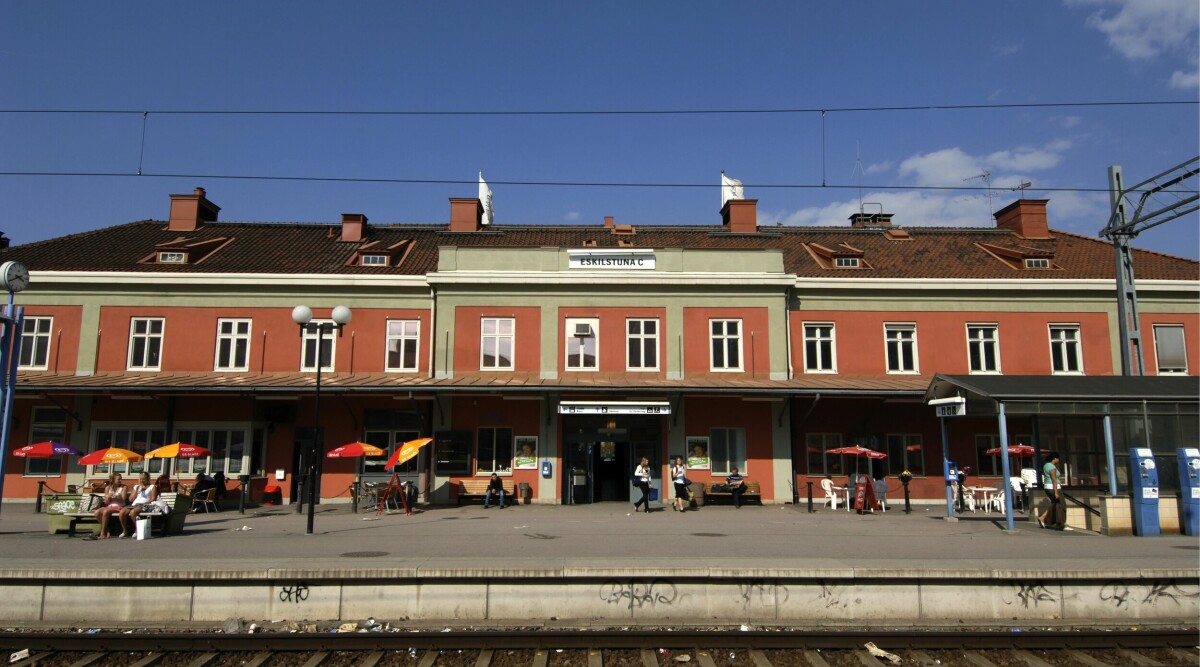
772, 563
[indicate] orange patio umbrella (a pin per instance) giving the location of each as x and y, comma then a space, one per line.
407, 451
110, 455
178, 450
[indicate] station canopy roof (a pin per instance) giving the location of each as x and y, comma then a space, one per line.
1083, 395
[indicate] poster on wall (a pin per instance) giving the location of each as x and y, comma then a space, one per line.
697, 452
526, 452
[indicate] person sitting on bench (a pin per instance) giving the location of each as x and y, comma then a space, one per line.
495, 486
737, 486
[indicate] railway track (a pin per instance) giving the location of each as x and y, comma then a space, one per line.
626, 648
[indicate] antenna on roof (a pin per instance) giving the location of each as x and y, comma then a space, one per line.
1023, 187
859, 169
986, 176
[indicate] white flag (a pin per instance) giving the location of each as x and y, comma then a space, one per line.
731, 188
485, 196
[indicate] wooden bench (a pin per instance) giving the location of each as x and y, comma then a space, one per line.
166, 523
752, 491
477, 488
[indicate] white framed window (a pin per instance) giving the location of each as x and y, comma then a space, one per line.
374, 260
236, 450
233, 345
641, 344
496, 343
171, 257
820, 463
905, 452
139, 437
846, 262
583, 344
403, 343
35, 344
983, 348
494, 451
308, 346
901, 348
725, 337
820, 350
46, 424
145, 343
1066, 356
1037, 263
727, 450
1169, 349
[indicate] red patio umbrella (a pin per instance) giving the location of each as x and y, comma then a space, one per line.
1023, 451
858, 452
46, 449
180, 450
353, 450
110, 455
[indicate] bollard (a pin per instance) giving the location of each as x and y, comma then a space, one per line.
810, 505
37, 505
354, 496
300, 488
905, 478
245, 481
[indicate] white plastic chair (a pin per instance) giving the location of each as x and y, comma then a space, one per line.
831, 498
997, 501
1018, 489
881, 493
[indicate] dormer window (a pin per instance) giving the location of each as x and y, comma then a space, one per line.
172, 257
843, 256
374, 260
847, 263
1021, 258
1037, 263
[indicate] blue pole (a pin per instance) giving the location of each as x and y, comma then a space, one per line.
10, 358
1006, 469
946, 469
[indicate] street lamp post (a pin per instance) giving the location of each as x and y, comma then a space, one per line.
302, 315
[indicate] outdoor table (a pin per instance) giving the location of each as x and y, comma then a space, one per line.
848, 490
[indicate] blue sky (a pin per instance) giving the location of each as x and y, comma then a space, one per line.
610, 56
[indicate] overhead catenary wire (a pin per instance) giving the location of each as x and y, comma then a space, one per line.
455, 181
604, 112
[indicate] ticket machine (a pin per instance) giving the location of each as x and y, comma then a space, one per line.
1189, 490
1143, 489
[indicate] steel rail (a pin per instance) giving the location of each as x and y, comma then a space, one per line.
604, 639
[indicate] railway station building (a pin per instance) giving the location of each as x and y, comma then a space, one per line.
559, 356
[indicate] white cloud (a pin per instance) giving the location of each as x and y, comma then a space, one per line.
1071, 121
1144, 29
1187, 80
572, 216
944, 167
1082, 213
878, 168
1008, 49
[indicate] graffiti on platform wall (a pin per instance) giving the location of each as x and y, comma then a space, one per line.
1115, 593
639, 594
1167, 590
297, 593
766, 594
1030, 595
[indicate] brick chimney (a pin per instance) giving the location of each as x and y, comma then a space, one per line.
740, 216
465, 214
354, 227
1025, 218
189, 212
863, 220
608, 222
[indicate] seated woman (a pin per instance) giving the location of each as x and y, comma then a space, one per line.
144, 495
115, 496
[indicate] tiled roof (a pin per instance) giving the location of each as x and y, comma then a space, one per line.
290, 248
363, 383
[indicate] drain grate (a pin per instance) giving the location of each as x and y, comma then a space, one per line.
709, 535
363, 554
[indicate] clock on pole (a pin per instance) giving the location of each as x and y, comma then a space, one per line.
14, 276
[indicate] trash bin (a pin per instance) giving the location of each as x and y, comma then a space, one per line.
698, 493
272, 495
526, 493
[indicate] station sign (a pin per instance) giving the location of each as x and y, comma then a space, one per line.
955, 406
614, 408
608, 259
